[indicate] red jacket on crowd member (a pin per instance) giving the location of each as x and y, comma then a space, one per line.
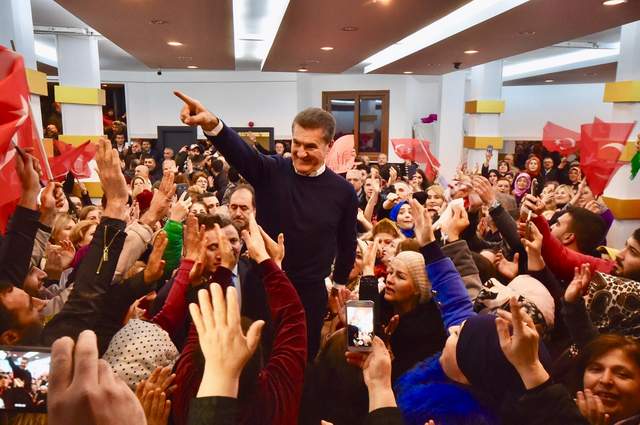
279, 385
561, 260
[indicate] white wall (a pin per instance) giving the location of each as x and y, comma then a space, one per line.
267, 99
528, 108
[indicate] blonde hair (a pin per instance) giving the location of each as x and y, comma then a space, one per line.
439, 190
59, 223
80, 230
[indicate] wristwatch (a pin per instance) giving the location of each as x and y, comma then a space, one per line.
495, 204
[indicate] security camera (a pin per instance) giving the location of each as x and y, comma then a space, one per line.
159, 72
456, 65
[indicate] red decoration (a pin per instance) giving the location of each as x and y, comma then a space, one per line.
342, 155
417, 151
559, 139
251, 124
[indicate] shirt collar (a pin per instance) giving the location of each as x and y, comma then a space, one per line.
316, 173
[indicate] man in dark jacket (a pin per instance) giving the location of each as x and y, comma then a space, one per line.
299, 196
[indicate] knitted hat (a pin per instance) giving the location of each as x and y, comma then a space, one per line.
534, 291
137, 349
483, 363
144, 200
418, 271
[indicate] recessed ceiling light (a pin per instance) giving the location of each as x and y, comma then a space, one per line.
526, 33
349, 28
302, 69
408, 72
192, 67
613, 2
158, 22
470, 52
326, 48
174, 43
549, 81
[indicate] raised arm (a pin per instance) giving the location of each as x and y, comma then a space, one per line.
249, 162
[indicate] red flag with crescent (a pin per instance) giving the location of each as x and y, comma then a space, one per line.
559, 139
602, 145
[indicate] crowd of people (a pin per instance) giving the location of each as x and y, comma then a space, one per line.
208, 286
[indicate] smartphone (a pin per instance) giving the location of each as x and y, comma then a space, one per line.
360, 325
180, 189
24, 378
490, 149
534, 186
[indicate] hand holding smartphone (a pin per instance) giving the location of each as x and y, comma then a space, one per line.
360, 325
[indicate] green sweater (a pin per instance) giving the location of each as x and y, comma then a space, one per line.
173, 252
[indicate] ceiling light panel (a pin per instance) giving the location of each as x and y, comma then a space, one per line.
255, 25
467, 16
583, 57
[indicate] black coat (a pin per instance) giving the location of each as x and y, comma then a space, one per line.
419, 335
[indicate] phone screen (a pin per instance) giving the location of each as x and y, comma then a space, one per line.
360, 325
24, 378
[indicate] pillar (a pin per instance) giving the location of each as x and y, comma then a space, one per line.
483, 106
79, 93
622, 195
450, 131
16, 24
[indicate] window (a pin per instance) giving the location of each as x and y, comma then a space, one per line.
365, 114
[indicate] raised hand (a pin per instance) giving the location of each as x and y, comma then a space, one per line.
484, 189
27, 168
533, 246
594, 206
521, 347
459, 222
155, 265
274, 249
51, 198
84, 390
393, 175
160, 380
156, 407
533, 204
112, 180
180, 208
193, 113
579, 285
225, 348
195, 247
592, 408
161, 201
422, 223
254, 242
369, 258
508, 269
376, 370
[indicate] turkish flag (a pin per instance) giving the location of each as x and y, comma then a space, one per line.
559, 139
16, 127
602, 145
74, 160
417, 151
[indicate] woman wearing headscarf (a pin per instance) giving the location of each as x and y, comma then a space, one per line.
401, 215
521, 186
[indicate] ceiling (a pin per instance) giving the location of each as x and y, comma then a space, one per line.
309, 25
206, 28
532, 25
593, 74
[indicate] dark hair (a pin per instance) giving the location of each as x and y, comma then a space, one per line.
84, 212
636, 234
233, 175
313, 118
494, 171
425, 182
217, 165
245, 187
486, 269
7, 318
600, 346
146, 156
589, 229
210, 220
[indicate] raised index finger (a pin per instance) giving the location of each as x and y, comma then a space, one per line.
85, 369
186, 99
61, 365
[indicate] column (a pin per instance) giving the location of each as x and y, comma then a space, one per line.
79, 93
484, 106
450, 131
16, 24
622, 195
